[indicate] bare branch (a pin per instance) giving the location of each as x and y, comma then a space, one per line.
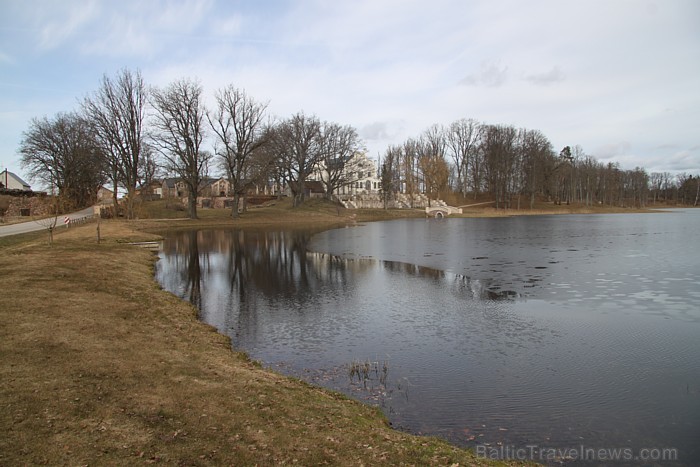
179, 132
117, 112
238, 123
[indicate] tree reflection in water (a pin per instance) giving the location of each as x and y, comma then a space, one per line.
277, 266
520, 337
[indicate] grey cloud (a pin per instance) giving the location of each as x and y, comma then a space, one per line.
375, 131
555, 75
676, 162
667, 146
683, 161
613, 150
491, 75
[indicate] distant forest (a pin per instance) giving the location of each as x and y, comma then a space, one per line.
127, 134
517, 166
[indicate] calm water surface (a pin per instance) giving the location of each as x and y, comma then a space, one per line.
554, 331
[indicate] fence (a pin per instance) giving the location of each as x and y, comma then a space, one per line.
79, 221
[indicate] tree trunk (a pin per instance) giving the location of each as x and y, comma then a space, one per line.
130, 203
115, 200
192, 206
234, 208
299, 195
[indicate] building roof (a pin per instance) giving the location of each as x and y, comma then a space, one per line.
6, 175
206, 181
203, 182
170, 182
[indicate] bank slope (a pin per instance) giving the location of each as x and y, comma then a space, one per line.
100, 366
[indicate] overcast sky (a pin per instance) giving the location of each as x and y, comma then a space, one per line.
619, 78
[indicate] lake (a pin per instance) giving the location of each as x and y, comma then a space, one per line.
548, 331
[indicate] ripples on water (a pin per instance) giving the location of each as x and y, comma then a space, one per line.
554, 331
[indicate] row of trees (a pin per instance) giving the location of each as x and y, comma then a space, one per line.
125, 131
77, 152
62, 153
513, 165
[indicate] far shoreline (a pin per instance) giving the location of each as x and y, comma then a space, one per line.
323, 213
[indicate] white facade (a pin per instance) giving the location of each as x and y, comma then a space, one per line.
360, 173
11, 181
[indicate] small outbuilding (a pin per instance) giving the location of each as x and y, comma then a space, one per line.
10, 181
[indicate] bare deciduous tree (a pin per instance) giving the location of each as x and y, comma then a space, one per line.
116, 112
431, 161
656, 180
498, 143
296, 141
240, 130
389, 174
49, 223
178, 135
409, 171
149, 165
537, 154
62, 152
339, 145
462, 141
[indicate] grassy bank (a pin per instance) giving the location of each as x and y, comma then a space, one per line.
319, 212
100, 366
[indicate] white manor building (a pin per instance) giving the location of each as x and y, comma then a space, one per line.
360, 174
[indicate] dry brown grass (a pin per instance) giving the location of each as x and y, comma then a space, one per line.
100, 366
313, 213
542, 208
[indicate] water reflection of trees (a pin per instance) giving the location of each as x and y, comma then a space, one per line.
276, 266
480, 289
413, 270
194, 271
180, 269
462, 286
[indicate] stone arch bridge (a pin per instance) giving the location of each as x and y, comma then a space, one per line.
441, 211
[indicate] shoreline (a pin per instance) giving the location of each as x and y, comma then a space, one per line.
325, 214
99, 364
